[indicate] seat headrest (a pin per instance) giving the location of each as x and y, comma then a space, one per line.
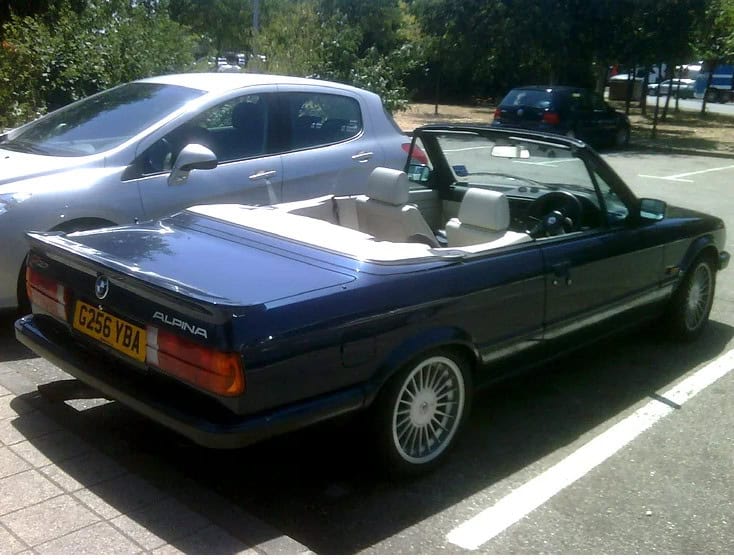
487, 209
389, 186
247, 115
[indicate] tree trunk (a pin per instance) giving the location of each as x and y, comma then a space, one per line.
630, 89
670, 93
601, 78
712, 66
438, 91
643, 93
654, 132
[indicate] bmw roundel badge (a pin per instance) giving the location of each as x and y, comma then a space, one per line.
101, 287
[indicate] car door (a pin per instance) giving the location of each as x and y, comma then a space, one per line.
611, 271
240, 133
330, 147
582, 115
502, 305
604, 119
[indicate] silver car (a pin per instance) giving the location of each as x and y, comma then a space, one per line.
148, 148
685, 91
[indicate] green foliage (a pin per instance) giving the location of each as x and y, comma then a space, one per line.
224, 25
384, 75
56, 51
51, 60
309, 40
713, 38
378, 21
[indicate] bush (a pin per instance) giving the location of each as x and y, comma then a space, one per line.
51, 60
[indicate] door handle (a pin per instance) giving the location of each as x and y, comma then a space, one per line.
263, 175
363, 156
561, 271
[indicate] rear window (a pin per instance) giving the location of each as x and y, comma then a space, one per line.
319, 119
537, 98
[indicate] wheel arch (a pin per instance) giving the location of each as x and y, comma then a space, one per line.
703, 246
446, 338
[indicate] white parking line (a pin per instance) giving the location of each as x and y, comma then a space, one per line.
678, 178
549, 163
473, 148
525, 499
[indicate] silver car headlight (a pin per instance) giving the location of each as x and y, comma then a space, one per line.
7, 201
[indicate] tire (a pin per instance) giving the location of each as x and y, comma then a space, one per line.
689, 308
419, 413
24, 304
712, 96
622, 136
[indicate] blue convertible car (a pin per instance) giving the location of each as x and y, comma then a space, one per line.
231, 323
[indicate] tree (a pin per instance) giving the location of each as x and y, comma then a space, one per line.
379, 21
713, 37
225, 25
52, 59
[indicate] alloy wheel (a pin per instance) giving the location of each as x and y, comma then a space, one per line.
428, 409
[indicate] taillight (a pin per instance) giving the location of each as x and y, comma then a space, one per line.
45, 293
417, 154
215, 371
552, 118
497, 113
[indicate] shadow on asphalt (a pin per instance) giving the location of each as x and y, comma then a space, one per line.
317, 485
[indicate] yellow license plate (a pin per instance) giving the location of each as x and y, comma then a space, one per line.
108, 329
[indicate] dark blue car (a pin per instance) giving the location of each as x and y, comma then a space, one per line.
575, 112
230, 323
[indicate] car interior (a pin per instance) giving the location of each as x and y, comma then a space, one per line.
381, 224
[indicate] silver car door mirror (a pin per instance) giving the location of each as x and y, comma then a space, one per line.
192, 156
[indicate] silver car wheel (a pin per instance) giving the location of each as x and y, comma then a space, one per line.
698, 299
428, 409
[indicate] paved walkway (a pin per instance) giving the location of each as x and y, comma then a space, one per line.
61, 494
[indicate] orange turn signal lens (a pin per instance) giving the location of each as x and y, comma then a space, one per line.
214, 371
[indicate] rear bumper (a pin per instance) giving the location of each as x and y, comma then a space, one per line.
167, 403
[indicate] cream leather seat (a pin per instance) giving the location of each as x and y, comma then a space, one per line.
385, 214
484, 216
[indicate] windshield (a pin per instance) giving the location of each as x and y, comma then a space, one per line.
101, 122
507, 162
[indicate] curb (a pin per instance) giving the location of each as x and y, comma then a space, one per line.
655, 148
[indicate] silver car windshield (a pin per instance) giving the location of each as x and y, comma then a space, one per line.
101, 122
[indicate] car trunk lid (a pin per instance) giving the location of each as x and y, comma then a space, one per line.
191, 259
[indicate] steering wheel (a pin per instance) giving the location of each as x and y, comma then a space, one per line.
158, 157
554, 213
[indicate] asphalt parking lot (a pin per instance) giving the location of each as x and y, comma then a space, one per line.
624, 447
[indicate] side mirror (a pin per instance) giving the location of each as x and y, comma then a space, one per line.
418, 172
192, 156
652, 209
